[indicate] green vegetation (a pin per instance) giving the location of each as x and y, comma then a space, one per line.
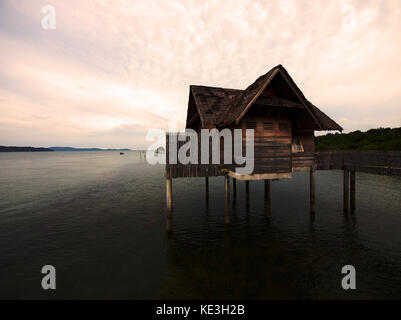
373, 139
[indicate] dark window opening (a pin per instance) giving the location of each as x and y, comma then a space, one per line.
268, 126
283, 126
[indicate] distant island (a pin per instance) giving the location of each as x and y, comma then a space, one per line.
373, 139
33, 149
23, 149
85, 149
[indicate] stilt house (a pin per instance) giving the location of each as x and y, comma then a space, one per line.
283, 120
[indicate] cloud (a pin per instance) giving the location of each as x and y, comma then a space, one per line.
115, 68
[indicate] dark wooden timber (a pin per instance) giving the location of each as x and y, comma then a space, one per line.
346, 190
353, 187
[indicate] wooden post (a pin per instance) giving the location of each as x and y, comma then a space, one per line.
247, 193
346, 190
353, 187
227, 196
234, 189
267, 197
311, 191
169, 198
207, 188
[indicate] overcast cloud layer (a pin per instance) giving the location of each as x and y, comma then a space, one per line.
114, 69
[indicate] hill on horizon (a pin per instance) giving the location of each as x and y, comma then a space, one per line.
373, 139
23, 149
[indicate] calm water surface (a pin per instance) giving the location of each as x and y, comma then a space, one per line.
99, 218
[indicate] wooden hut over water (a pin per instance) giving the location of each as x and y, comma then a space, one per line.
283, 120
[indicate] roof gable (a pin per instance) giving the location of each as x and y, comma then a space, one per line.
250, 94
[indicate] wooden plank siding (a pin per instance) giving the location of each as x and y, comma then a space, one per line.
272, 142
303, 161
193, 170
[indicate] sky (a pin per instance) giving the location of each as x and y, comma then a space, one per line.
112, 70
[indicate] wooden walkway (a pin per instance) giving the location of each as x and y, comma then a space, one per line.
376, 162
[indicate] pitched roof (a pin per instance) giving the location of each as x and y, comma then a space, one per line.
241, 101
221, 106
212, 102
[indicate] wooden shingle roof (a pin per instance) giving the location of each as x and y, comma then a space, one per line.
218, 107
212, 102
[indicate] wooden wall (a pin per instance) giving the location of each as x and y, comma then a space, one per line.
273, 138
303, 161
272, 142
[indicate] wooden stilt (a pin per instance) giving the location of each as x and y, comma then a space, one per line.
353, 187
207, 188
346, 190
227, 196
267, 197
311, 191
169, 198
234, 189
247, 193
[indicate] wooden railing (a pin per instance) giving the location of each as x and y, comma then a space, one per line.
178, 170
380, 162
